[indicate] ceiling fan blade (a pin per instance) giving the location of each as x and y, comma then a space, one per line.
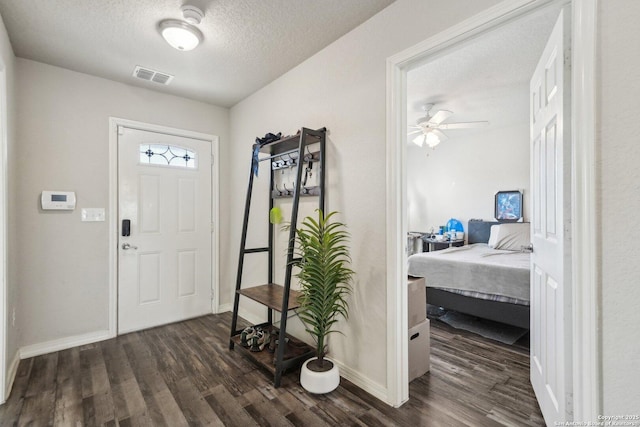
414, 132
440, 135
465, 125
439, 117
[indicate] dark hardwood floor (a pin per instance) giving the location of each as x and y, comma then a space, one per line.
183, 374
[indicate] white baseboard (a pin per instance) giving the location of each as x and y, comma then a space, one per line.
11, 375
63, 343
371, 387
223, 308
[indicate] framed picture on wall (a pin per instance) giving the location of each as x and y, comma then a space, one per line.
508, 206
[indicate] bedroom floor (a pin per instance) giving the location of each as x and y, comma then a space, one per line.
513, 336
183, 374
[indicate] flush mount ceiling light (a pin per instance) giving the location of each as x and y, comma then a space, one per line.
180, 35
183, 35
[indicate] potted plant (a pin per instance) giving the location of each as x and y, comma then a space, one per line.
325, 283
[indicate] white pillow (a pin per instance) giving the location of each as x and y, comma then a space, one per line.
512, 236
493, 236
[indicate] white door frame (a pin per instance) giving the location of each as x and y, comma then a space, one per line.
587, 385
114, 122
4, 385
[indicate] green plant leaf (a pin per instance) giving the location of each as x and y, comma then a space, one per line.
325, 276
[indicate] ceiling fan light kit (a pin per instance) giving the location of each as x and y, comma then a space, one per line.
183, 35
419, 140
430, 140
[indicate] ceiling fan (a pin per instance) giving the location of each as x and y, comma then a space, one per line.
429, 127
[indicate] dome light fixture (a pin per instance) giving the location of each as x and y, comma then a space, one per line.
183, 35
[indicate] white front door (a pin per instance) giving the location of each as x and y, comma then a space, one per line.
550, 226
164, 199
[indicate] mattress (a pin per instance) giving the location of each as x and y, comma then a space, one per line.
475, 269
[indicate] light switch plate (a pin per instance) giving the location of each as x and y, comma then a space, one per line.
93, 214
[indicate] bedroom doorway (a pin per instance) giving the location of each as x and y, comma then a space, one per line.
585, 360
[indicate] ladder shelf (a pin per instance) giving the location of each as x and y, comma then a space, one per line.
291, 153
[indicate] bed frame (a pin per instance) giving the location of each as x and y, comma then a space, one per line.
511, 314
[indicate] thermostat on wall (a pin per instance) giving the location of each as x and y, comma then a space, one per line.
58, 200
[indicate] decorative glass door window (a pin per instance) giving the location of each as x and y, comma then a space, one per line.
167, 155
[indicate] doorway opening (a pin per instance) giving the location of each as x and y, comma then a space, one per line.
468, 138
583, 180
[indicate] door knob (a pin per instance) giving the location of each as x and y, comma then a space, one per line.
127, 246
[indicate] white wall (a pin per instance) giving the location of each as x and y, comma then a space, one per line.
62, 263
460, 177
343, 88
619, 135
8, 59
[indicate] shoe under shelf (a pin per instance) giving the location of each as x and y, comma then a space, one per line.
295, 353
271, 295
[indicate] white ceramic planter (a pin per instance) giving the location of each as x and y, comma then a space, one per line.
319, 382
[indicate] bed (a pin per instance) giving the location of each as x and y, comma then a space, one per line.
478, 280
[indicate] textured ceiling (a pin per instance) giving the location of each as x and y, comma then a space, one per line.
482, 79
247, 43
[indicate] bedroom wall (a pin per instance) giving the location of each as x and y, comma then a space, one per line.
343, 87
619, 203
63, 121
459, 178
7, 60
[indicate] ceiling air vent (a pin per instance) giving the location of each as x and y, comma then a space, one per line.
152, 75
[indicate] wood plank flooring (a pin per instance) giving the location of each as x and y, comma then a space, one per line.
184, 375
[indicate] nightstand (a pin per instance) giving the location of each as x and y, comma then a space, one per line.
431, 244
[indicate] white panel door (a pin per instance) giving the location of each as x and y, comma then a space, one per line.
164, 265
550, 225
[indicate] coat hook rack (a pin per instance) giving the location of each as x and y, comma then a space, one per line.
294, 150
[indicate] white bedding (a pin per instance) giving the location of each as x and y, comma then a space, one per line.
475, 268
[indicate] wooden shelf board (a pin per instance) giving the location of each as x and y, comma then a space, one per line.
271, 296
295, 353
287, 144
